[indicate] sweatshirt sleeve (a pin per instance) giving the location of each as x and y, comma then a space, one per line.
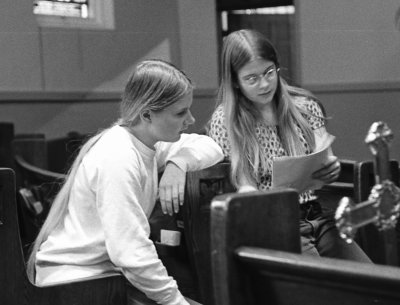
119, 197
192, 152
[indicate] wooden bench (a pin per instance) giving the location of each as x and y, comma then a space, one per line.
247, 271
39, 160
15, 286
33, 176
201, 187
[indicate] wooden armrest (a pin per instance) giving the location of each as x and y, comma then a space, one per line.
37, 170
321, 267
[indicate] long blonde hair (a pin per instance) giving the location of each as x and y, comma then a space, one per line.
241, 116
153, 85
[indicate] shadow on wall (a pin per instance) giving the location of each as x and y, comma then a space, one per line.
56, 119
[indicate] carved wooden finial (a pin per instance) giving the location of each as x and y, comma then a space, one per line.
383, 205
379, 135
378, 139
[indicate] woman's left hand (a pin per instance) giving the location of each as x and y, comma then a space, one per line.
172, 188
329, 172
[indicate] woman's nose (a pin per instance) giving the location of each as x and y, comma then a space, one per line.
190, 119
264, 82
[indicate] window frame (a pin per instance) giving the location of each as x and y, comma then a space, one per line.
101, 17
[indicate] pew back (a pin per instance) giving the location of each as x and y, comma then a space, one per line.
15, 286
330, 194
282, 278
257, 219
36, 186
249, 271
201, 187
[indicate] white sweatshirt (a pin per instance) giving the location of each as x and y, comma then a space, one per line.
106, 229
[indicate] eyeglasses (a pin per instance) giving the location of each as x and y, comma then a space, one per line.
255, 79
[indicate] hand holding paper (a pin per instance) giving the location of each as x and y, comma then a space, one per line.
296, 172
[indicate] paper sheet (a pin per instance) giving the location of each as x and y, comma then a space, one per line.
295, 172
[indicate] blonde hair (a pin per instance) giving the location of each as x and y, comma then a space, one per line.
153, 85
241, 116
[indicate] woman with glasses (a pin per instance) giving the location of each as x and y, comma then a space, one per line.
259, 117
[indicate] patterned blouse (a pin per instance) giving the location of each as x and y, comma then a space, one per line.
270, 141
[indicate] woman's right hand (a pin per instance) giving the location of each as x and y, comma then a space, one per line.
329, 172
171, 188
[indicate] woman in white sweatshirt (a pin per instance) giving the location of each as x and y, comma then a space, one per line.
98, 224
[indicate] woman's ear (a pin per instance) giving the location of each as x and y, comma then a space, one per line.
146, 115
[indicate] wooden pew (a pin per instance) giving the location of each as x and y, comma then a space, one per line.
201, 187
61, 152
247, 271
40, 166
40, 160
15, 287
36, 185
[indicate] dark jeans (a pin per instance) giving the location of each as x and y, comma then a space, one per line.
320, 237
